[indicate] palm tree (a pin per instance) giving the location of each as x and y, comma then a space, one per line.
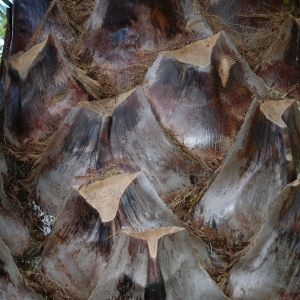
150, 150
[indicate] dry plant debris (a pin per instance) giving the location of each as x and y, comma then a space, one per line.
114, 81
251, 42
77, 12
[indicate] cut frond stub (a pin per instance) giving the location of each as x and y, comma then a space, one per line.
226, 62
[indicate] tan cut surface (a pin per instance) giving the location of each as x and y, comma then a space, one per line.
152, 236
106, 107
273, 110
24, 61
104, 195
197, 54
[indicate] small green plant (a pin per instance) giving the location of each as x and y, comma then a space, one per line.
3, 23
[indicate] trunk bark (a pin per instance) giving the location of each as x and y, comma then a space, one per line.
116, 112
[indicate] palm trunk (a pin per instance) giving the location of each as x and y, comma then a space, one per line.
147, 154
